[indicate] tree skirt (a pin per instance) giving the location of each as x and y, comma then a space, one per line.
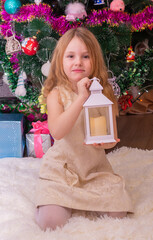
18, 178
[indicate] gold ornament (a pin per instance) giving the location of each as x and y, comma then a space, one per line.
42, 103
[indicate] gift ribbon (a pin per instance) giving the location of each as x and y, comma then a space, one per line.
125, 100
38, 129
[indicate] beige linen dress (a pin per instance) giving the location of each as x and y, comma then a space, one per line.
79, 176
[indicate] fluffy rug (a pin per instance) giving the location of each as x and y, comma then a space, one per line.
17, 193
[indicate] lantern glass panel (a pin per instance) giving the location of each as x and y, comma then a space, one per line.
99, 122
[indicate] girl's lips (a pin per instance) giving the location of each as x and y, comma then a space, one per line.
78, 70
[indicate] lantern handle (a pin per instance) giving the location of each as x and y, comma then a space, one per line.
96, 79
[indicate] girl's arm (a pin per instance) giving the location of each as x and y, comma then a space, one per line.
60, 122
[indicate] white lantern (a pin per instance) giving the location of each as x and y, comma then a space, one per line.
98, 116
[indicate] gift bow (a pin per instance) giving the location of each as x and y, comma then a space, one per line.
125, 100
38, 129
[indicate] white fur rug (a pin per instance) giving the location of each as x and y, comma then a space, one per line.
17, 193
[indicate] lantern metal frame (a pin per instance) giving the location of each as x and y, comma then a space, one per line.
98, 100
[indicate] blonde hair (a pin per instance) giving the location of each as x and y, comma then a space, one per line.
57, 76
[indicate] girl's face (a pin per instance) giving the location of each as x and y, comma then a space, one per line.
76, 61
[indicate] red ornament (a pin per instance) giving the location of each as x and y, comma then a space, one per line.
125, 100
30, 46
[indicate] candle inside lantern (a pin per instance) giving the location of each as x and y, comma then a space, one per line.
98, 126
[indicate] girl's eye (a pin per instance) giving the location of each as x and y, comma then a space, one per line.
70, 56
86, 56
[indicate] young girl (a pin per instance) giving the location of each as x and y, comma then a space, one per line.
74, 175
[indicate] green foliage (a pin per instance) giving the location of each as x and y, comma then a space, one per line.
6, 65
112, 39
46, 47
32, 94
103, 33
134, 6
123, 34
36, 27
137, 73
32, 64
114, 42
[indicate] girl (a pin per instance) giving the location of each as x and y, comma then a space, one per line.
74, 175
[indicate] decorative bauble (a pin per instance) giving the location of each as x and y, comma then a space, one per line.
75, 11
117, 5
12, 44
12, 6
45, 68
20, 90
30, 46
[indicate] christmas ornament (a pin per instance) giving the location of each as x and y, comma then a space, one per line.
130, 57
112, 81
75, 11
30, 46
37, 2
117, 5
125, 100
45, 69
5, 78
12, 44
98, 2
20, 90
12, 6
42, 103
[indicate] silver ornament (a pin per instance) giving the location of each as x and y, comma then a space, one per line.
112, 81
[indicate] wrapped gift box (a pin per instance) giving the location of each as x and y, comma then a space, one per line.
38, 140
12, 140
30, 145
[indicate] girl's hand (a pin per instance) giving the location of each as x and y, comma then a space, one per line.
106, 145
83, 87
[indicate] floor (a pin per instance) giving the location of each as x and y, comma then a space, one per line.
135, 131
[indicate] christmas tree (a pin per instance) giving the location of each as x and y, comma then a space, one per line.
30, 30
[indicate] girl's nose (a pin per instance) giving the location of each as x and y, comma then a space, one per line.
78, 61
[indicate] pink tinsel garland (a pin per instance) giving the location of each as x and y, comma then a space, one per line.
138, 21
